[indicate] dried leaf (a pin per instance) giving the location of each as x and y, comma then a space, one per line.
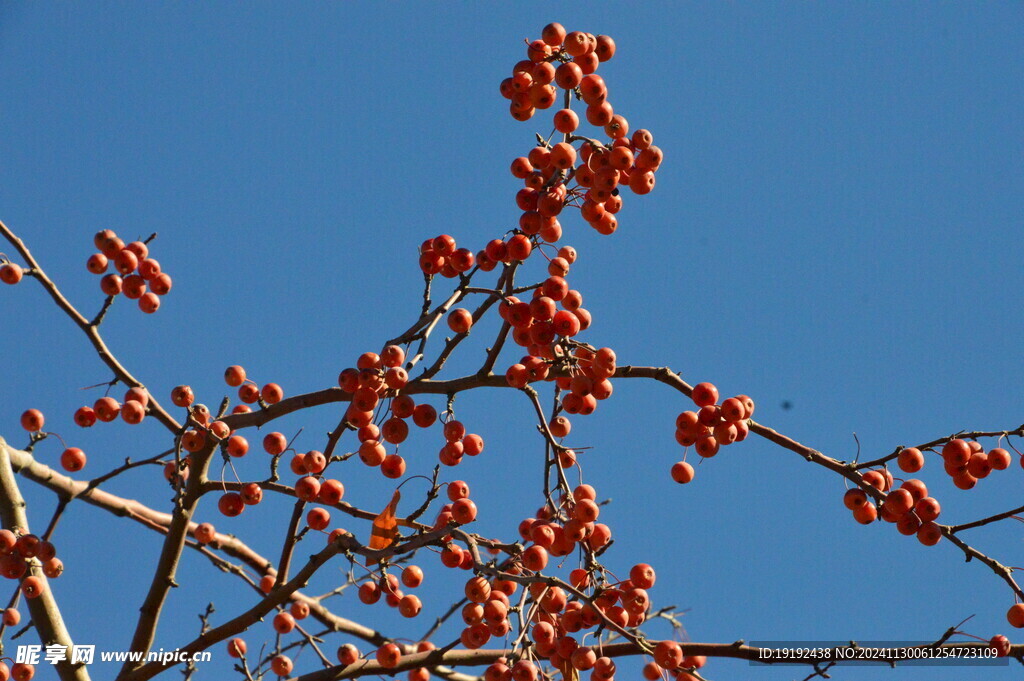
385, 526
569, 673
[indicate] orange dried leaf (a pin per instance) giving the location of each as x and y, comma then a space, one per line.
385, 526
569, 673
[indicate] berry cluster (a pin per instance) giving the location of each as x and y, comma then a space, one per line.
910, 507
18, 550
440, 255
587, 176
249, 392
132, 411
558, 534
711, 427
966, 462
546, 327
462, 511
134, 270
377, 377
558, 614
914, 512
545, 324
387, 586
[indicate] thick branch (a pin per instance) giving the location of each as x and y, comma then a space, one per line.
45, 614
170, 554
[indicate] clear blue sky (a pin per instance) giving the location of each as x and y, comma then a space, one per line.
836, 226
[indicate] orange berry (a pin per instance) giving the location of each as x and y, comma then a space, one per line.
865, 514
126, 262
236, 647
568, 76
910, 460
32, 420
410, 605
899, 502
956, 452
1000, 644
553, 34
566, 121
205, 533
388, 655
281, 665
682, 472
927, 509
999, 459
1015, 615
101, 237
134, 286
20, 671
106, 409
929, 534
605, 49
234, 376
617, 128
72, 459
11, 273
668, 654
393, 466
704, 394
460, 320
231, 504
149, 269
563, 155
97, 263
576, 43
917, 489
464, 511
424, 415
275, 443
32, 587
272, 393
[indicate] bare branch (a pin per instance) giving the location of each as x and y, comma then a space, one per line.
45, 614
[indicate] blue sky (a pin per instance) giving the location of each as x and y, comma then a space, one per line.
834, 227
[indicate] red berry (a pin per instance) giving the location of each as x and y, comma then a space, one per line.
236, 647
1015, 615
231, 504
32, 420
272, 393
388, 655
10, 273
281, 665
682, 472
704, 394
85, 417
460, 320
275, 443
910, 460
97, 263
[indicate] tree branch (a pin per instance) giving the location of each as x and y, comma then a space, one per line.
45, 614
